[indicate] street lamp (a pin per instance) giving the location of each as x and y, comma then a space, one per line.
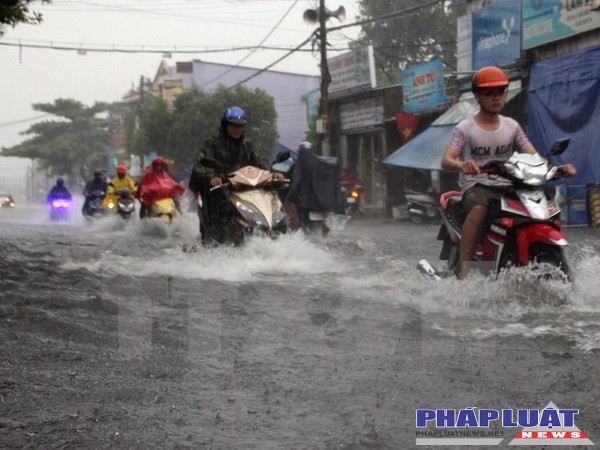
311, 17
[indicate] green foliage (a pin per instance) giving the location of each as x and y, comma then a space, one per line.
72, 145
196, 116
13, 12
410, 39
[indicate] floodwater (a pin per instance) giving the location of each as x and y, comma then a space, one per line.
133, 335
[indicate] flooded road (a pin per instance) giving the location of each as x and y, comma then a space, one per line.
118, 335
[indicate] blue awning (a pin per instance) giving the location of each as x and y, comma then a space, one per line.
424, 151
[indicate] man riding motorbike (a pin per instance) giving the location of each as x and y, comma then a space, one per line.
487, 136
95, 186
231, 151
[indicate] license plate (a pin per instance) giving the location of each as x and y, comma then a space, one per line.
350, 200
315, 215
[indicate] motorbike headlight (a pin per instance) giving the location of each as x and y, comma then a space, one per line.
111, 205
535, 175
250, 215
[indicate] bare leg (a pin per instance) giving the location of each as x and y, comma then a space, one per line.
470, 236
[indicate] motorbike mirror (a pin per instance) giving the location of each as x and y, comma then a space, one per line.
559, 146
282, 156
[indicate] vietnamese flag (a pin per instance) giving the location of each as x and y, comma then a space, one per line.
407, 125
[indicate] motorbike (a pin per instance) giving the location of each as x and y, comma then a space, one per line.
256, 208
309, 220
164, 208
94, 206
523, 229
60, 208
122, 204
351, 196
421, 207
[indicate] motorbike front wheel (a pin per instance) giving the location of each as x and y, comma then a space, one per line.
541, 254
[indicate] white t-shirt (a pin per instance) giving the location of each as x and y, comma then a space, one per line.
483, 146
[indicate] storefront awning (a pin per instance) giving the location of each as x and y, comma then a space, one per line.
425, 150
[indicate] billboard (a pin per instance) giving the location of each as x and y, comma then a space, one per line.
497, 34
362, 115
424, 87
551, 20
352, 72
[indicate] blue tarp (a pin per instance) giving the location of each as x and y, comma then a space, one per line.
564, 101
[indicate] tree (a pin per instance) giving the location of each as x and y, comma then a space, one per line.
72, 145
154, 130
196, 117
410, 39
13, 12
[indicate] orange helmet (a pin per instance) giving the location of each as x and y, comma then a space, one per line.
489, 77
121, 169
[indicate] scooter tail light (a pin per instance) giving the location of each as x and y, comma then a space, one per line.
354, 194
507, 222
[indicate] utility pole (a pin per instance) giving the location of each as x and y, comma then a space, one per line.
325, 78
321, 17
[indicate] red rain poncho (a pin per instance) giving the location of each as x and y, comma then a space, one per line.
157, 185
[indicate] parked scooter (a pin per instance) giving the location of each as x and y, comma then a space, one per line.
525, 229
256, 208
122, 203
421, 207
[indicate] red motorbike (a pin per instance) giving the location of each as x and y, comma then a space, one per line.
523, 228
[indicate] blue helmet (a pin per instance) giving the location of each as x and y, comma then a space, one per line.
234, 115
60, 181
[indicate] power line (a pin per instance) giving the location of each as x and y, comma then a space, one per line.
259, 44
175, 49
18, 122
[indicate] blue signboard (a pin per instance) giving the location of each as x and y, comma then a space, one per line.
551, 20
496, 34
424, 87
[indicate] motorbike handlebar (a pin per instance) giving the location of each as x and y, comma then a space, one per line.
491, 170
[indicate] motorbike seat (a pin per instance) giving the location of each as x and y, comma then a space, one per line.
455, 212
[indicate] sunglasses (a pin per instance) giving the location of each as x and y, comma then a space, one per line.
490, 92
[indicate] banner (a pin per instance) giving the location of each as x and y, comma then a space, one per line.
407, 125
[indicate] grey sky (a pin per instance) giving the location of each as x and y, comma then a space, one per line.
32, 75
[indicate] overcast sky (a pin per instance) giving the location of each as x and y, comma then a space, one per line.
39, 75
